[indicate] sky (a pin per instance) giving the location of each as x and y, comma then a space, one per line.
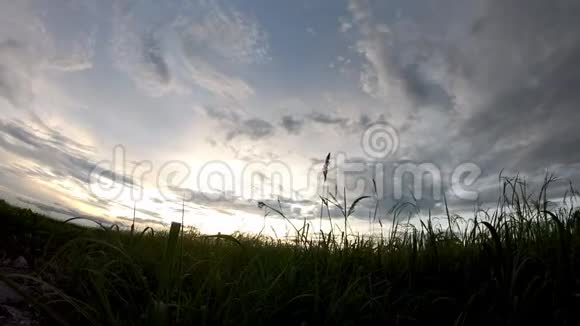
204, 108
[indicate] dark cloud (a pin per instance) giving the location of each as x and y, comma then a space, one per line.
218, 200
347, 125
26, 171
148, 212
254, 129
292, 124
234, 126
515, 73
11, 45
46, 208
55, 137
328, 119
229, 202
153, 216
157, 200
128, 220
211, 141
153, 57
56, 208
523, 58
57, 156
97, 202
364, 120
423, 91
221, 114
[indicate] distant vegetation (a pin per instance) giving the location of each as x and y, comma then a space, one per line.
517, 266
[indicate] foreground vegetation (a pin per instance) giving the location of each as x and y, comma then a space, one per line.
516, 265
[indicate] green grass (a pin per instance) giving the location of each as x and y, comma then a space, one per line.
516, 266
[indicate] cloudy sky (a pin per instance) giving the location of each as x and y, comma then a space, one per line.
110, 105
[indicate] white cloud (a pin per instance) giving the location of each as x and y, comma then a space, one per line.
70, 29
379, 77
227, 33
79, 57
31, 43
210, 40
345, 26
222, 85
16, 71
140, 51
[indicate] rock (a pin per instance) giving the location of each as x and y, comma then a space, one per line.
13, 316
20, 263
8, 295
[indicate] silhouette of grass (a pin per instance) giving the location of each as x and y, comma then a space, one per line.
515, 265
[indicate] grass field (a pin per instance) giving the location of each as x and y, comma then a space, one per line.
517, 265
